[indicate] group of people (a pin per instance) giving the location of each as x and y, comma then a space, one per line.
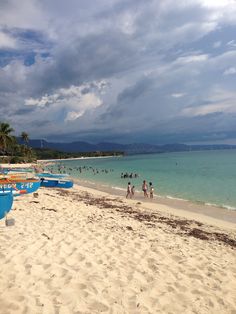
145, 189
128, 175
60, 168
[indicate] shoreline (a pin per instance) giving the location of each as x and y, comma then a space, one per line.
75, 158
217, 215
174, 205
207, 200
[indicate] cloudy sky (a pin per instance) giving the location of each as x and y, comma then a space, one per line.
154, 71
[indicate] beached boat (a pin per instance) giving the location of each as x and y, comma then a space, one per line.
52, 175
30, 170
6, 201
15, 170
19, 186
16, 176
56, 183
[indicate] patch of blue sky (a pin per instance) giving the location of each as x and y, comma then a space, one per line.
28, 58
28, 35
7, 56
215, 42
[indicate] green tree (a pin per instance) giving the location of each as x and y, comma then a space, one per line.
25, 137
6, 138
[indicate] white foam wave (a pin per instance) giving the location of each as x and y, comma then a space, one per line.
117, 188
229, 207
222, 206
211, 204
176, 198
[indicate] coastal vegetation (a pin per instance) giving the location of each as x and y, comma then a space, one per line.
13, 152
47, 153
10, 150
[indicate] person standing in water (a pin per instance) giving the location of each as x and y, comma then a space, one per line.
132, 191
151, 189
145, 189
129, 191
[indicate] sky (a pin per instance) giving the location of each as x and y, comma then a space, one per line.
153, 71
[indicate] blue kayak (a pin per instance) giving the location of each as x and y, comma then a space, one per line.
56, 183
6, 201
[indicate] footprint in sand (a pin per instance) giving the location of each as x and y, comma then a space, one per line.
195, 276
97, 306
46, 266
170, 289
176, 258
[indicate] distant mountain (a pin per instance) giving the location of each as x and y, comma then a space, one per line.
134, 148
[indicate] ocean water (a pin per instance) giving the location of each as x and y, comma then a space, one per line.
206, 176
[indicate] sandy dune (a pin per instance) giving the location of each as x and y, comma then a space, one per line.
84, 251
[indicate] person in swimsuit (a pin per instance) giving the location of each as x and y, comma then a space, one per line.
151, 189
145, 189
132, 191
129, 194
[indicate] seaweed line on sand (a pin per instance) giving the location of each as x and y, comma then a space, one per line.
182, 227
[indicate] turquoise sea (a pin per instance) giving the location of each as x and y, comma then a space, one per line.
206, 176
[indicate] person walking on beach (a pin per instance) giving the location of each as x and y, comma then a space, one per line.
132, 191
145, 188
129, 191
151, 189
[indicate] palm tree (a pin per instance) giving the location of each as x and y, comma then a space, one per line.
25, 137
30, 154
6, 139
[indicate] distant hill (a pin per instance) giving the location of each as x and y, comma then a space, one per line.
134, 148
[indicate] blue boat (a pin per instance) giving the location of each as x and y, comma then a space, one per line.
19, 186
6, 201
56, 183
52, 175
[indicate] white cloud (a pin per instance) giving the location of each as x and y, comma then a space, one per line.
219, 100
231, 43
178, 95
73, 101
217, 3
25, 14
7, 41
209, 109
43, 101
126, 23
192, 58
229, 71
217, 44
73, 115
165, 42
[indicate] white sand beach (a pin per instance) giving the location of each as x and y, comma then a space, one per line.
85, 251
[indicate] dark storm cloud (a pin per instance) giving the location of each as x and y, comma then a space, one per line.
40, 123
165, 68
134, 92
23, 111
90, 58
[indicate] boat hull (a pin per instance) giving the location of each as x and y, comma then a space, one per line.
6, 201
55, 183
19, 187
